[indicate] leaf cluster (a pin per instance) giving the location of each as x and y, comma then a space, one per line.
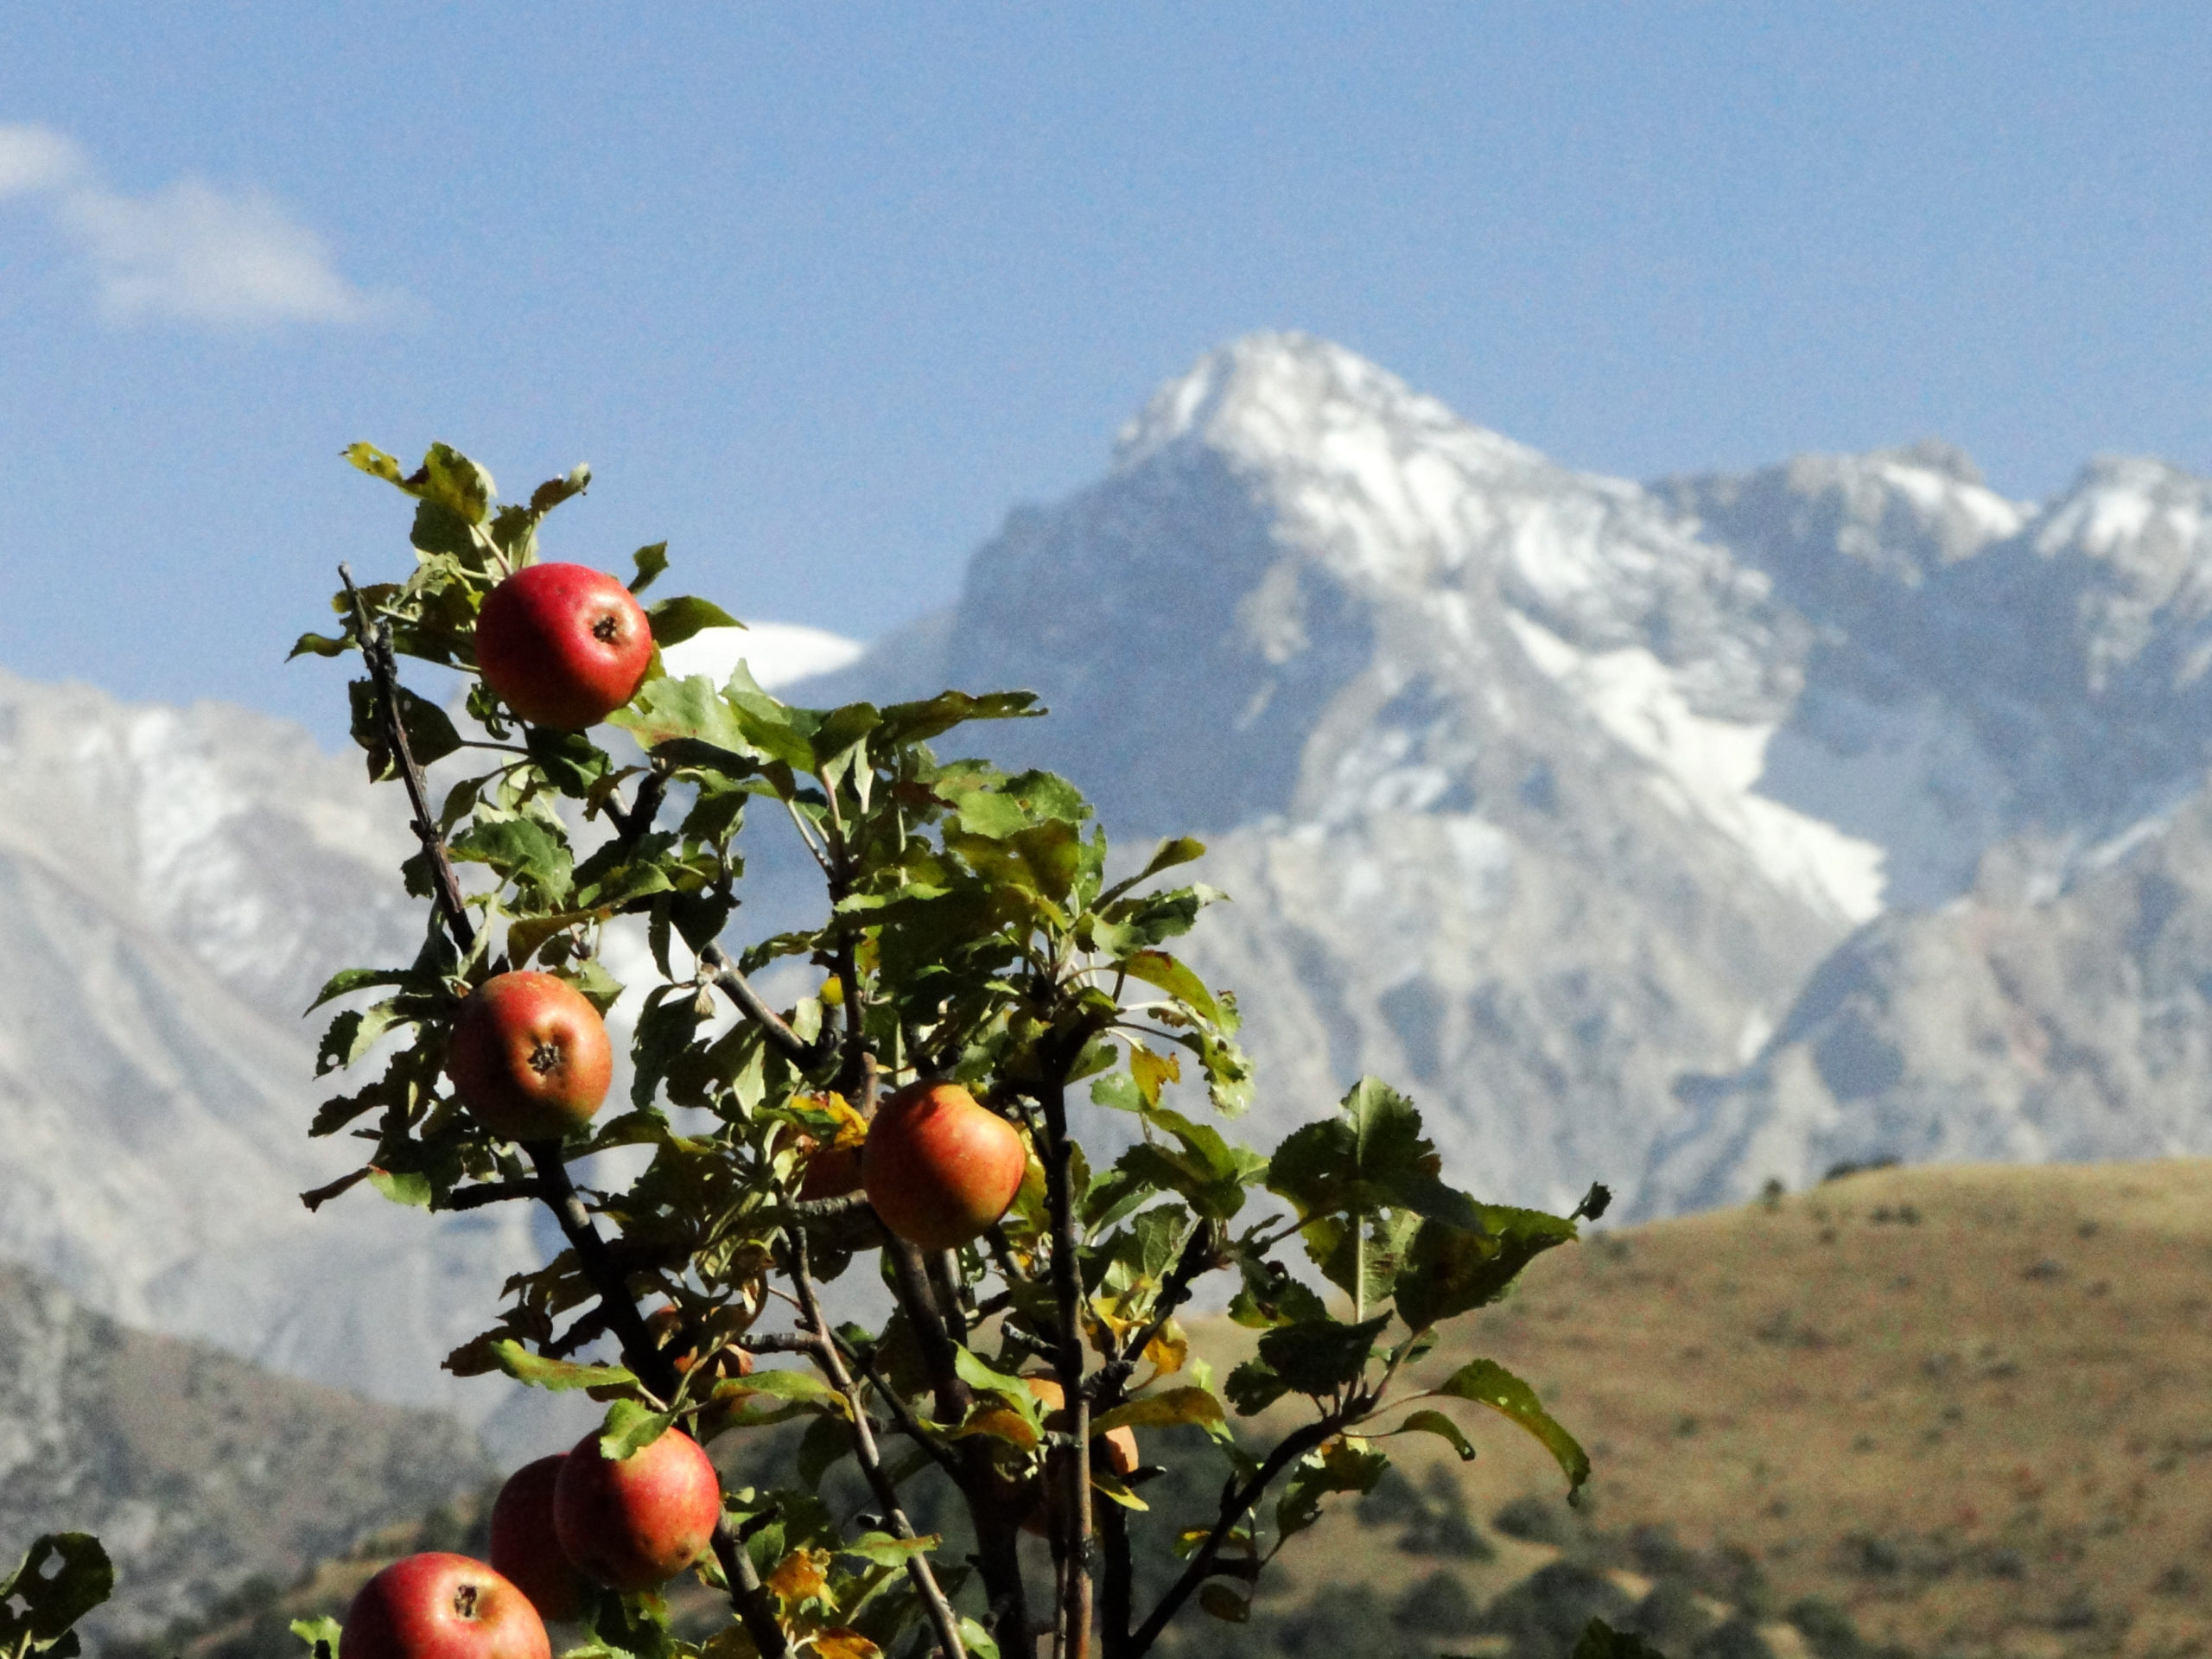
971, 929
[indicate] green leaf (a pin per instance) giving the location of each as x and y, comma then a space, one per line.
1183, 1405
1252, 1387
1449, 1270
559, 1375
675, 620
1157, 967
1487, 1384
977, 1640
917, 722
1183, 850
881, 1549
373, 461
669, 708
320, 1634
1316, 1356
801, 1387
1223, 1603
63, 1577
456, 483
651, 562
554, 491
630, 1428
1372, 1156
520, 851
976, 1374
1436, 1423
1342, 1467
1599, 1640
320, 644
358, 979
412, 1187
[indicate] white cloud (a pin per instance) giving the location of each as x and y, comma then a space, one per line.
37, 158
190, 252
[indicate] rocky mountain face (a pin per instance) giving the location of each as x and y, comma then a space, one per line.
197, 1471
1677, 835
175, 885
1544, 792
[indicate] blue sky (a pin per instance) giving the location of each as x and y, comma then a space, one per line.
822, 291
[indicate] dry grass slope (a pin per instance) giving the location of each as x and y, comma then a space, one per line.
1969, 1404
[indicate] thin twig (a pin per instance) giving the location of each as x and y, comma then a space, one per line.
652, 1367
1236, 1504
795, 1048
829, 1356
475, 1197
383, 675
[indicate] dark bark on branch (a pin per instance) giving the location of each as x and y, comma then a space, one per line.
630, 827
1115, 1578
384, 674
652, 1367
828, 1355
793, 1048
475, 1197
1235, 1506
1071, 1625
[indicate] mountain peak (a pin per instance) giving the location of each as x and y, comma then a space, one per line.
1273, 398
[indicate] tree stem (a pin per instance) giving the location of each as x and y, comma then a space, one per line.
827, 1355
1073, 1613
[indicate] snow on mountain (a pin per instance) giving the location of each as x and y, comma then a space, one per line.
1475, 738
775, 653
174, 885
1673, 835
1533, 785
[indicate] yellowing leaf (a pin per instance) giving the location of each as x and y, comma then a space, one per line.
1152, 1070
1001, 1421
1185, 1405
845, 1643
731, 1642
1169, 1351
798, 1577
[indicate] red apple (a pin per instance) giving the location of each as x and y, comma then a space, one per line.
530, 1057
565, 645
523, 1546
637, 1524
939, 1168
440, 1606
1116, 1449
830, 1172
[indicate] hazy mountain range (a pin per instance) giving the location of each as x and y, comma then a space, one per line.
1681, 836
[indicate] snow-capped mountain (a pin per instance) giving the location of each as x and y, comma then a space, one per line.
1649, 834
1533, 787
174, 886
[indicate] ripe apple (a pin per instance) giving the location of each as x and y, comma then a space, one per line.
525, 1546
441, 1606
1121, 1444
830, 1172
637, 1524
565, 645
530, 1055
665, 1323
939, 1168
1116, 1449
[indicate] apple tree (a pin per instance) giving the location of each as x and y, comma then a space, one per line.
974, 947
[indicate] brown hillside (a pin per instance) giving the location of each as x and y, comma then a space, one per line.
1973, 1405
